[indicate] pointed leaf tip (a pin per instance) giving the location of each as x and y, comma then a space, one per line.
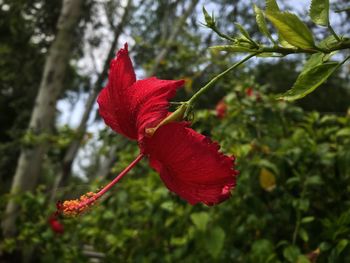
271, 6
309, 80
292, 29
208, 19
261, 22
319, 12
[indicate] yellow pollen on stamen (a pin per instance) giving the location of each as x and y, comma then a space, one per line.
78, 206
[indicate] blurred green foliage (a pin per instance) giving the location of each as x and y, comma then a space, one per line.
292, 197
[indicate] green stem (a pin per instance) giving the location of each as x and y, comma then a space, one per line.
299, 211
346, 59
333, 32
343, 62
222, 35
343, 44
342, 10
215, 79
297, 227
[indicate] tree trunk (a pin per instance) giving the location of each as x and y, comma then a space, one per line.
74, 146
43, 115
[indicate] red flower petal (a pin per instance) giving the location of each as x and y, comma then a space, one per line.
129, 107
112, 100
107, 112
190, 164
149, 101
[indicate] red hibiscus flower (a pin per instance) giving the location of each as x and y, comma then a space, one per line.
221, 109
189, 163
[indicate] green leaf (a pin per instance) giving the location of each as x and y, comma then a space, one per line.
261, 22
200, 220
307, 219
328, 42
232, 48
303, 234
168, 206
291, 253
179, 241
271, 6
293, 181
309, 80
303, 204
262, 251
267, 164
215, 241
313, 61
303, 259
319, 12
292, 29
283, 42
343, 132
244, 33
210, 22
324, 246
341, 245
314, 180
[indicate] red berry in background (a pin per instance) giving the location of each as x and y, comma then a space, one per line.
221, 109
249, 91
55, 225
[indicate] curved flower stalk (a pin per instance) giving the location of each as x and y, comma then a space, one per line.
189, 164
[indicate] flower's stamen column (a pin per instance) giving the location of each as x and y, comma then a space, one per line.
75, 207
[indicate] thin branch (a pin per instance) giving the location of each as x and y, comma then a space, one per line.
177, 27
